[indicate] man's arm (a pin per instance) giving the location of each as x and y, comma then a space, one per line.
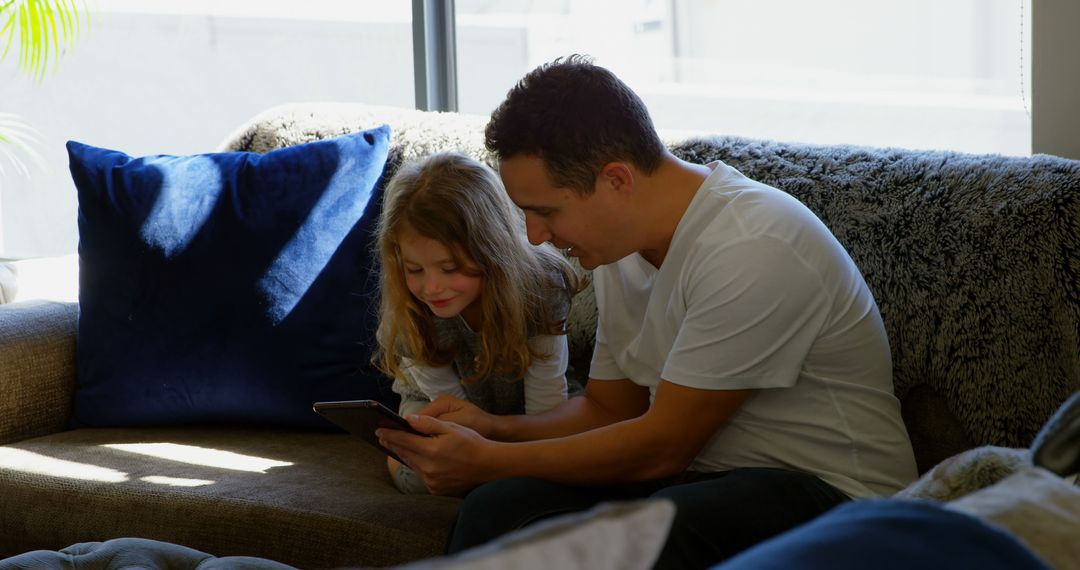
661, 442
604, 402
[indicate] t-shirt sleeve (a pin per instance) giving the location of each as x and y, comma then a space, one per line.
603, 365
412, 398
545, 380
754, 308
433, 381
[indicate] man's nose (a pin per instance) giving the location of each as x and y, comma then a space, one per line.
536, 230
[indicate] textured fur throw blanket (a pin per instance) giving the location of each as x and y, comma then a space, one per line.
974, 262
974, 259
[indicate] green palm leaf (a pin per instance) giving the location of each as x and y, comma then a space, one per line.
40, 30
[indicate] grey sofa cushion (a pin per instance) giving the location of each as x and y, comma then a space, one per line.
302, 498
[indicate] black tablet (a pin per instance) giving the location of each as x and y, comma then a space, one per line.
362, 418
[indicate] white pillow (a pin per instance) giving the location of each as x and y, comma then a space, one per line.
611, 536
967, 472
1038, 507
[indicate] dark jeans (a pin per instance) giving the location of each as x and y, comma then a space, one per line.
717, 514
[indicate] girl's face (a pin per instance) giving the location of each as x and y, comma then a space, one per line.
434, 278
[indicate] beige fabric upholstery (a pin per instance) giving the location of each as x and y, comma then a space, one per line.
302, 498
37, 368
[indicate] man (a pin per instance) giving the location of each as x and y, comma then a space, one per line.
741, 367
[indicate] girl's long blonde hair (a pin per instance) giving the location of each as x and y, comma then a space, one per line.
460, 202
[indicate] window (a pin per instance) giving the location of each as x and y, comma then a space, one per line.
178, 76
911, 73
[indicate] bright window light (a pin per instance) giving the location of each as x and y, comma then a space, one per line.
175, 481
921, 74
48, 278
177, 77
195, 455
30, 462
310, 10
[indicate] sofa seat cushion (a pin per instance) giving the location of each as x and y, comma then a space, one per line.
297, 497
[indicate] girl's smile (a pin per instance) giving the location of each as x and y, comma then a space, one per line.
435, 278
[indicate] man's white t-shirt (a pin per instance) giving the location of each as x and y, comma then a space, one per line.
756, 293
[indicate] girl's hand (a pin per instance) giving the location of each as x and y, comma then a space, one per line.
461, 412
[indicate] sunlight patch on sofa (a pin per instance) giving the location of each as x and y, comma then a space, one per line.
175, 481
30, 462
204, 456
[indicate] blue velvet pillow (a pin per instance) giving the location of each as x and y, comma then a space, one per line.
230, 287
890, 534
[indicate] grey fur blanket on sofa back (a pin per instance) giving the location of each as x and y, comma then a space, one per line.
974, 260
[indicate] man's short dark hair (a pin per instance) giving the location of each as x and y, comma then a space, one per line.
576, 116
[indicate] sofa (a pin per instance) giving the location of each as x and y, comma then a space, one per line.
974, 261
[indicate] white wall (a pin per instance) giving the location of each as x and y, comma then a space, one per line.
167, 83
909, 73
146, 80
1055, 119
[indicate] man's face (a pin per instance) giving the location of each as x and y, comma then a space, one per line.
586, 227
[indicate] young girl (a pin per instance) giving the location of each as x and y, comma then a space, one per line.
468, 307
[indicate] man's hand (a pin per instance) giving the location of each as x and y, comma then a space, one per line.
461, 412
449, 461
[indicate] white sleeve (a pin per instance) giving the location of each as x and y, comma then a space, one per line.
545, 380
603, 365
434, 381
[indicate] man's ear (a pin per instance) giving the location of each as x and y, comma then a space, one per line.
618, 176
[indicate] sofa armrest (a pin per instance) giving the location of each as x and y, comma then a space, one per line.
37, 368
